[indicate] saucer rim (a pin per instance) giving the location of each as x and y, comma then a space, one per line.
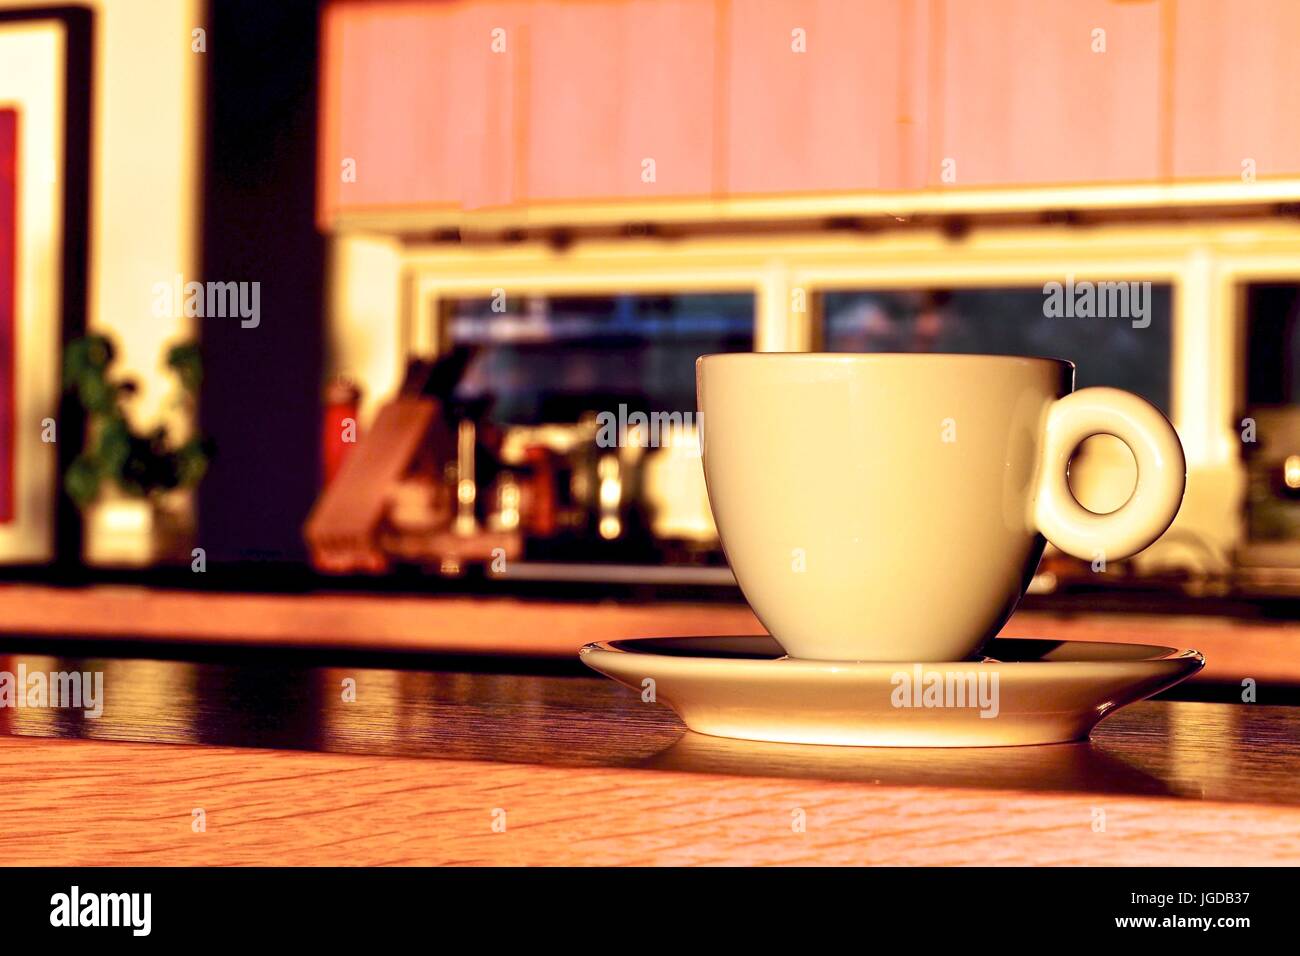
787, 663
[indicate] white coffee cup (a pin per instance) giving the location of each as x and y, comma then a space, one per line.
894, 507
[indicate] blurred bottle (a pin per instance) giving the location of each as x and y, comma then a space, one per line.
339, 433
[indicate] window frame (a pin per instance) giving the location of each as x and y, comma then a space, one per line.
1205, 262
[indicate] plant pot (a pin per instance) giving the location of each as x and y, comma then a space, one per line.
122, 531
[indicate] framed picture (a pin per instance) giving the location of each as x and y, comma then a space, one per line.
44, 121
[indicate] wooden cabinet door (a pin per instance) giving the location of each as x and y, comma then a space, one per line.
492, 104
418, 105
821, 95
1236, 77
1022, 95
620, 100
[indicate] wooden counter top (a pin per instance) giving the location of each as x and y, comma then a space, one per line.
422, 764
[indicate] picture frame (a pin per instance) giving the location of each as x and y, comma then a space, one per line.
45, 60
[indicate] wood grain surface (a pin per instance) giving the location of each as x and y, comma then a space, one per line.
418, 768
94, 803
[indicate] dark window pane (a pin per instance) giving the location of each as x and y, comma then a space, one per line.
1272, 345
549, 360
1131, 351
1271, 423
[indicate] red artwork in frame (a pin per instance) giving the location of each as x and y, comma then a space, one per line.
8, 304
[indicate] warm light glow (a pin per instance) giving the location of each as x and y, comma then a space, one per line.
1291, 471
120, 532
465, 492
508, 500
611, 488
125, 517
466, 489
610, 494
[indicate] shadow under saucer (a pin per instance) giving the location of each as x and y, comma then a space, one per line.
1058, 767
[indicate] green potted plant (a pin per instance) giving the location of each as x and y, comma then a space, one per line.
128, 482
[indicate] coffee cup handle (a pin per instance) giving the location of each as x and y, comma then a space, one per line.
1161, 475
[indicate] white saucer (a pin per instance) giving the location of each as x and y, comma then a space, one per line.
1023, 691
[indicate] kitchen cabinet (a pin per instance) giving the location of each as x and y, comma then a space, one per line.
513, 104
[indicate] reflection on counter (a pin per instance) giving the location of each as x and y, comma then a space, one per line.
292, 704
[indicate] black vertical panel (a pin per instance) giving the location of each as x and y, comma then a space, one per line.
261, 395
76, 253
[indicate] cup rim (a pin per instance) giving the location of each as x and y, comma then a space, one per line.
847, 358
